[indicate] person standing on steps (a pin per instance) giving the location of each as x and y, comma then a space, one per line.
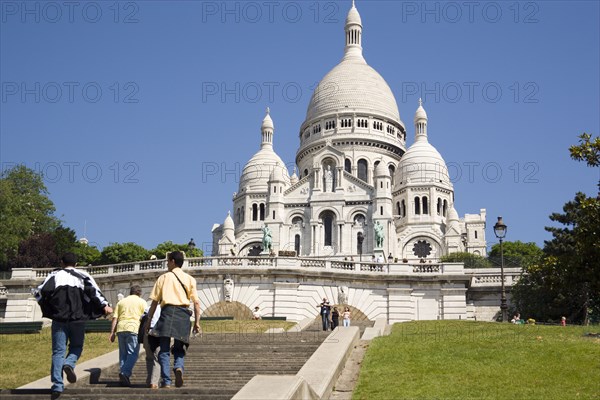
335, 318
346, 317
125, 326
151, 345
325, 310
69, 297
174, 290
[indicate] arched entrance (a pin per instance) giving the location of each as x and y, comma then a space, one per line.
233, 309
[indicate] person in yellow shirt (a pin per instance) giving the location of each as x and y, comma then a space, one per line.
173, 290
125, 325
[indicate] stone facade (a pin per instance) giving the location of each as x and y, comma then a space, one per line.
353, 171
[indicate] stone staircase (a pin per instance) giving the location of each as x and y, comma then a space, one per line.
216, 367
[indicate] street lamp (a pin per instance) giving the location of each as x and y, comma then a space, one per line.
500, 232
191, 245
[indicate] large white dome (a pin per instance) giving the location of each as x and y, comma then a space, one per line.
350, 86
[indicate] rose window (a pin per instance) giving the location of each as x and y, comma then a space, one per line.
422, 249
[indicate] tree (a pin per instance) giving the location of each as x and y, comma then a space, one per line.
516, 253
162, 249
87, 254
470, 260
588, 150
25, 210
116, 253
37, 251
566, 282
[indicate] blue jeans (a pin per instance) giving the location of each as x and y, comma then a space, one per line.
346, 323
129, 349
325, 319
74, 333
164, 358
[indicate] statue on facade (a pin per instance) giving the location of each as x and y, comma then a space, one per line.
228, 289
379, 235
328, 176
267, 242
343, 295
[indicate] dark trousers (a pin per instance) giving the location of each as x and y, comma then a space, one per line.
334, 323
325, 319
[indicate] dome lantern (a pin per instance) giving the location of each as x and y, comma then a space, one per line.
267, 129
420, 123
353, 30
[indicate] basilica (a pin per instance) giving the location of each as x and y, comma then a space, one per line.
357, 191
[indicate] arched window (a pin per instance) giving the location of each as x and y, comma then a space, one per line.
328, 228
359, 220
403, 208
439, 206
445, 208
362, 169
348, 166
262, 211
297, 244
417, 206
425, 205
305, 172
254, 212
381, 210
398, 209
237, 216
392, 170
475, 234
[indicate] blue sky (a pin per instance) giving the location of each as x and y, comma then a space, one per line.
142, 114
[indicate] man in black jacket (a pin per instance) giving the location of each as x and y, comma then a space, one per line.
69, 297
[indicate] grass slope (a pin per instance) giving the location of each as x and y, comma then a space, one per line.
479, 360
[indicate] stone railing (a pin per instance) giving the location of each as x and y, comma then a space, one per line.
491, 277
482, 277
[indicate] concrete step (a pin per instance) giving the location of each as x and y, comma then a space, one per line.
216, 367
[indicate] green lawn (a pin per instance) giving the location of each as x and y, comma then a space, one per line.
478, 360
27, 357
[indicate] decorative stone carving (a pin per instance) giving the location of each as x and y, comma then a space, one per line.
343, 295
228, 289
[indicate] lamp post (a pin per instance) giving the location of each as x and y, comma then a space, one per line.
191, 245
500, 232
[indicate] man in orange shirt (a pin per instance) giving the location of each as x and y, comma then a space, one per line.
173, 290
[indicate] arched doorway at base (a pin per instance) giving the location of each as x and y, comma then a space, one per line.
233, 309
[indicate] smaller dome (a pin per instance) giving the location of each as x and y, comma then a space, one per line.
452, 214
259, 169
381, 170
294, 178
267, 122
353, 16
228, 224
277, 175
